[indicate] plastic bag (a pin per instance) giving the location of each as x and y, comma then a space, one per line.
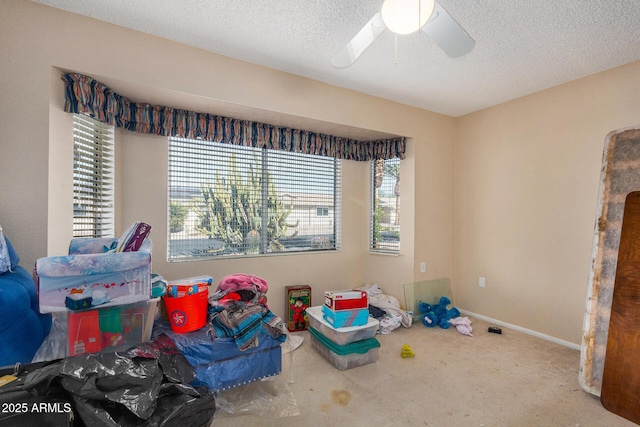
267, 397
144, 386
5, 258
54, 346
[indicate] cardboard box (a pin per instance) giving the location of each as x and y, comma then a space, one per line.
219, 364
346, 300
298, 299
345, 318
341, 336
246, 367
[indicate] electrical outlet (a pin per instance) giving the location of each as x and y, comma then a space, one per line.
482, 282
423, 267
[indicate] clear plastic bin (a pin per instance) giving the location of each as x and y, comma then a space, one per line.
345, 356
98, 329
341, 336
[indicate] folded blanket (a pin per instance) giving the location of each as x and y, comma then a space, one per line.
244, 324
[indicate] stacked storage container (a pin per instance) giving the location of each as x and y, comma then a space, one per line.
100, 300
342, 331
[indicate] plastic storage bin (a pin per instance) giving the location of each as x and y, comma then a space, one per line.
98, 329
110, 328
345, 356
345, 318
341, 336
76, 280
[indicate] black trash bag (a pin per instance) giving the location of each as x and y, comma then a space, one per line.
130, 388
175, 366
41, 375
176, 405
30, 409
179, 406
132, 382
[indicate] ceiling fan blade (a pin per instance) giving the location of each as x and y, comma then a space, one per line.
447, 33
359, 43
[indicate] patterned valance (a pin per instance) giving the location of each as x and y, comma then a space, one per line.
85, 95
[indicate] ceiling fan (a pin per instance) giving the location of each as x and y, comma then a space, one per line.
406, 17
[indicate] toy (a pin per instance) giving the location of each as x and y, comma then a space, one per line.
406, 351
298, 308
438, 315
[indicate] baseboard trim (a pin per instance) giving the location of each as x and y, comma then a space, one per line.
523, 330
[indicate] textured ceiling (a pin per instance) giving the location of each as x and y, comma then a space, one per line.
522, 46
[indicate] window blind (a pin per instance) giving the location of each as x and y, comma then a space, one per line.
385, 206
229, 200
93, 178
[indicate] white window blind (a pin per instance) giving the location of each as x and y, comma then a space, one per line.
93, 178
385, 206
228, 200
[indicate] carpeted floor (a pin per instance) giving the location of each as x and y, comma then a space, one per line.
512, 379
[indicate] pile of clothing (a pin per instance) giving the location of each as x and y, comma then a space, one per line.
238, 309
386, 309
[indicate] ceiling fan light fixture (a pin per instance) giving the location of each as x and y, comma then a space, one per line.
401, 16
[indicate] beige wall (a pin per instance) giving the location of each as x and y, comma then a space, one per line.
36, 155
526, 187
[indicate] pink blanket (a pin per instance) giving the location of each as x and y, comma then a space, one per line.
235, 282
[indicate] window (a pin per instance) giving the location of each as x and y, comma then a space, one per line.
322, 211
93, 178
385, 206
228, 200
